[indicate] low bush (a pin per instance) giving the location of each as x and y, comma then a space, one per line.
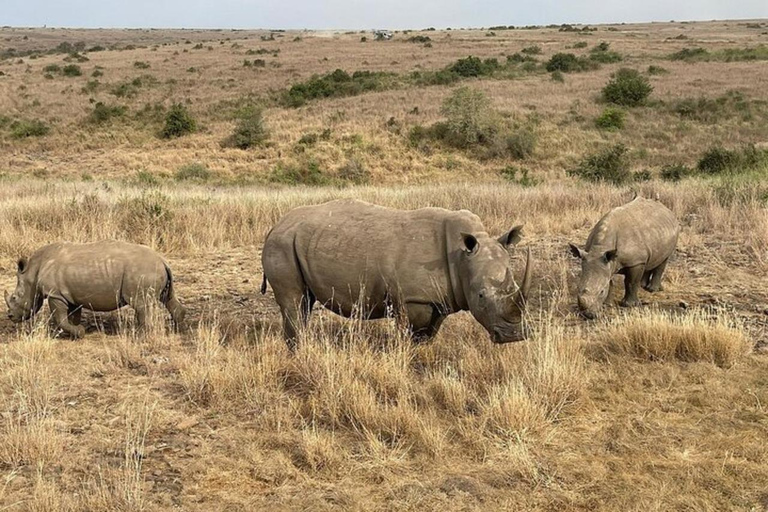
353, 171
474, 67
570, 63
470, 118
71, 70
719, 160
654, 70
628, 88
141, 65
711, 110
103, 113
419, 39
609, 165
193, 172
601, 53
676, 172
307, 174
178, 122
520, 143
23, 129
339, 83
52, 68
518, 176
611, 119
532, 50
250, 130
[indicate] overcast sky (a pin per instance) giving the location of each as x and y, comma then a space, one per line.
362, 14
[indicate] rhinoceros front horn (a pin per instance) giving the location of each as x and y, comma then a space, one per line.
526, 278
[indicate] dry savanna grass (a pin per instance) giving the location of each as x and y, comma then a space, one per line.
659, 408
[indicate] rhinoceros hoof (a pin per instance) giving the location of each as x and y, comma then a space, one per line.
654, 289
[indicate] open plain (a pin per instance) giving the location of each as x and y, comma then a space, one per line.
662, 407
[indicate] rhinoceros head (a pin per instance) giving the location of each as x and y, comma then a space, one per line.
596, 271
24, 302
493, 296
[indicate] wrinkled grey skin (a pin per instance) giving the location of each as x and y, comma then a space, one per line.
358, 258
635, 240
100, 276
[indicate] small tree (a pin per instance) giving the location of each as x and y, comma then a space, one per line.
250, 130
628, 88
178, 122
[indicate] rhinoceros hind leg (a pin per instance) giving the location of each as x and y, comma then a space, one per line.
424, 321
178, 313
295, 309
75, 314
60, 311
655, 284
633, 277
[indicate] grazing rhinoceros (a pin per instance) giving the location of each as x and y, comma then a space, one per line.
635, 240
358, 258
100, 276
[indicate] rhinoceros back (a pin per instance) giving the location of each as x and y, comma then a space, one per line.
101, 275
353, 254
642, 231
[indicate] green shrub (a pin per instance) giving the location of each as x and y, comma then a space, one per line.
675, 172
419, 39
656, 70
520, 143
52, 68
611, 119
193, 172
718, 160
690, 54
532, 50
23, 129
308, 174
557, 76
628, 88
610, 165
141, 65
708, 110
250, 130
602, 54
474, 67
178, 122
569, 63
71, 70
354, 171
102, 113
510, 173
580, 44
339, 83
470, 118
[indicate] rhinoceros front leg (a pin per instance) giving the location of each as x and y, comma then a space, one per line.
75, 314
423, 321
633, 278
60, 311
655, 283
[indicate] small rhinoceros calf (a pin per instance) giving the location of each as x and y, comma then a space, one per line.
357, 258
636, 240
100, 276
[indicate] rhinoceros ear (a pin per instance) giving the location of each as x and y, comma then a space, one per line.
22, 265
511, 237
610, 256
471, 245
576, 251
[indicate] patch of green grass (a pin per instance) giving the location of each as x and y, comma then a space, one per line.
699, 54
22, 129
103, 113
193, 172
611, 119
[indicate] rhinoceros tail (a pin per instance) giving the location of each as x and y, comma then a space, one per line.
264, 284
167, 293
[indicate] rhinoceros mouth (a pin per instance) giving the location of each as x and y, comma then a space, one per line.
501, 335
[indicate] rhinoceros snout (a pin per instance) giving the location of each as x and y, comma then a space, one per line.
500, 335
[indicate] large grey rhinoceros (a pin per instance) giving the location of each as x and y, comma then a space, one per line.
357, 258
100, 276
635, 240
